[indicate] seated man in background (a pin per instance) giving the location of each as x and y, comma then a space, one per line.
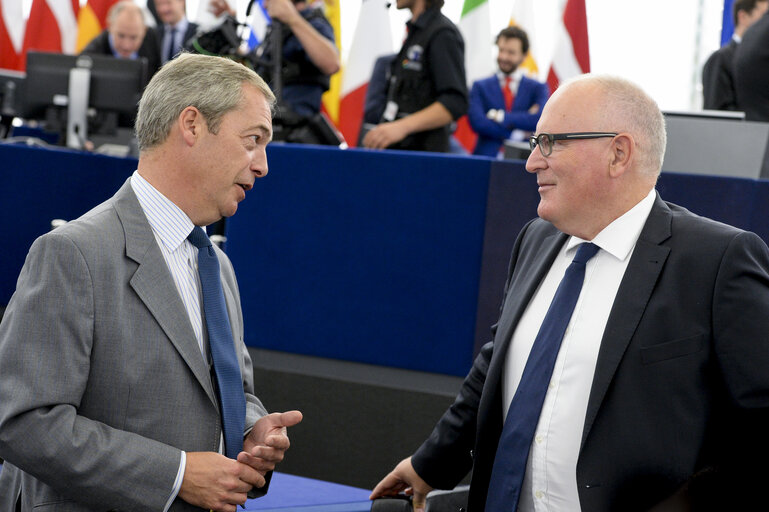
718, 73
127, 37
309, 55
507, 100
427, 89
173, 29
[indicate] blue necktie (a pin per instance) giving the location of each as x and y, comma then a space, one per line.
232, 400
522, 417
171, 45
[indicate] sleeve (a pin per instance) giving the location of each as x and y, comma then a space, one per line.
445, 458
476, 114
717, 86
46, 339
447, 65
741, 320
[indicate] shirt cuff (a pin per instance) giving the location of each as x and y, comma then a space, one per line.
178, 482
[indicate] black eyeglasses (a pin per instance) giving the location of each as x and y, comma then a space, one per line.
545, 141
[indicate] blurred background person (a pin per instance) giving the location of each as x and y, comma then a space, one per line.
718, 86
751, 71
427, 89
508, 100
127, 37
309, 55
173, 29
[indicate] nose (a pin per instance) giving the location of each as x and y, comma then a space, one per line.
259, 164
536, 161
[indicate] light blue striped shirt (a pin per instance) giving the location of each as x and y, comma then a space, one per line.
171, 225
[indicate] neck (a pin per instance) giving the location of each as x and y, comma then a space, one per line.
417, 9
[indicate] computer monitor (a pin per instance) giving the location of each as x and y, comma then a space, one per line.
87, 92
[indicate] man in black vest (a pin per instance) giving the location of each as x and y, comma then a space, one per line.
427, 89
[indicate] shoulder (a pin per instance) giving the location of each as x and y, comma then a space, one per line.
485, 83
706, 237
99, 44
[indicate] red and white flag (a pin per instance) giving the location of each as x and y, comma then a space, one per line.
11, 34
372, 39
558, 38
52, 26
572, 51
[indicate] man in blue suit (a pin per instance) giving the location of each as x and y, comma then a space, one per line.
507, 100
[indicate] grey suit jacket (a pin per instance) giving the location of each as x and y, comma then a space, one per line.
102, 383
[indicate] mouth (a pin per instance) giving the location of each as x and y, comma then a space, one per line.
545, 186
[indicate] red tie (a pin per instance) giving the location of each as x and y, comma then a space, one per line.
508, 94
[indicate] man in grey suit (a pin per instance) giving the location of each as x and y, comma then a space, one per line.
107, 401
658, 390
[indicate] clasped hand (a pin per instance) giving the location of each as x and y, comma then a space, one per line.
215, 482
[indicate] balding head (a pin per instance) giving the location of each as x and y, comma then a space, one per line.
601, 142
623, 106
126, 28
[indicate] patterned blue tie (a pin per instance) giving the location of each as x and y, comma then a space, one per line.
232, 400
523, 415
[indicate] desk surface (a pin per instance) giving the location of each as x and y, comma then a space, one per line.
289, 492
309, 495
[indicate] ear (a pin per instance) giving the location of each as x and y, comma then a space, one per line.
191, 125
622, 154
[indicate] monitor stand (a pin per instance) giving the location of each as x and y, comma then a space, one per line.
77, 107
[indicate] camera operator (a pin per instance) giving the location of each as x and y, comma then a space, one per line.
309, 54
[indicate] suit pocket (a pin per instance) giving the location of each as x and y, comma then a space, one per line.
672, 349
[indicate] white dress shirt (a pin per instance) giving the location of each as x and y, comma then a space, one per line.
550, 481
171, 226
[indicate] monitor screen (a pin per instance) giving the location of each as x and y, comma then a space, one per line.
114, 87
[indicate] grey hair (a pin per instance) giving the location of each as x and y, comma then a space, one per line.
213, 85
121, 6
628, 108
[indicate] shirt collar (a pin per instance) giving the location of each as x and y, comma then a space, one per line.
168, 221
180, 27
619, 237
515, 75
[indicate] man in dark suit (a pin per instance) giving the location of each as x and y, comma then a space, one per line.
127, 37
751, 71
718, 86
174, 30
660, 383
112, 391
489, 113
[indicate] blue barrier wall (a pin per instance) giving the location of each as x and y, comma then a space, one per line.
363, 256
389, 258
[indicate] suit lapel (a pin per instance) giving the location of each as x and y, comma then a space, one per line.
633, 295
535, 263
154, 285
